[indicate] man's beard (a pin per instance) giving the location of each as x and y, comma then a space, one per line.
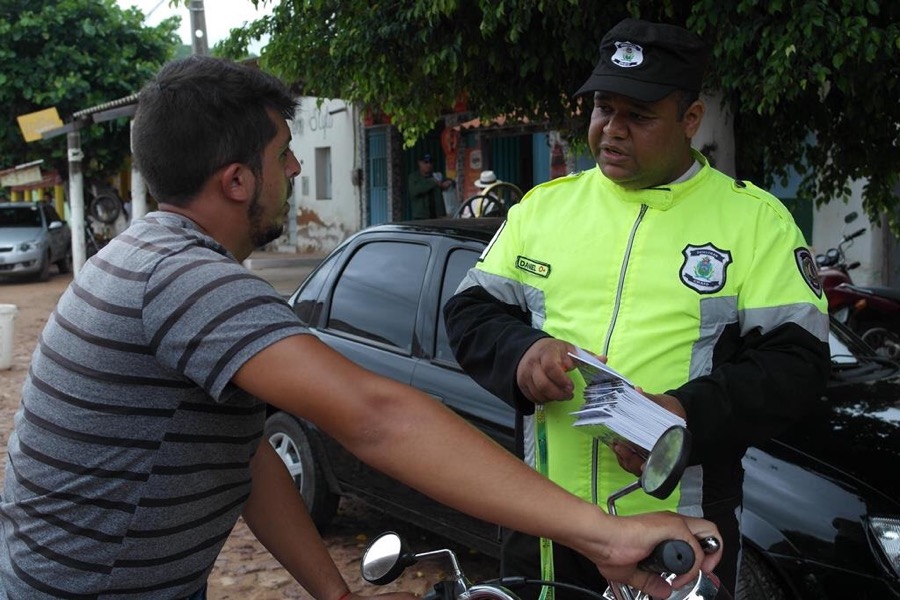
261, 233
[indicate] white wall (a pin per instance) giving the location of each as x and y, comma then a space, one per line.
716, 135
322, 223
829, 227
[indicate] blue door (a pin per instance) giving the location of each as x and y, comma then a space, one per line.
376, 175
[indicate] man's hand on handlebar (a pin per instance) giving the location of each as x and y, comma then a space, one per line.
633, 538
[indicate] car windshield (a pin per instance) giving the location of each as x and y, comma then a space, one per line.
20, 216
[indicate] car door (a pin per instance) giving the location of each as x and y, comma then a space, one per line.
437, 372
370, 316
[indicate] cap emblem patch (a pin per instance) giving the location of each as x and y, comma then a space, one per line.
627, 55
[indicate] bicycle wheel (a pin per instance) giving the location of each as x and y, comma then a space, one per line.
105, 208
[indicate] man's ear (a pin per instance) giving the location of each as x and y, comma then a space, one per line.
693, 116
237, 182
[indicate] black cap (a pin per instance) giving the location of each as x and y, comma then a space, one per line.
425, 157
648, 61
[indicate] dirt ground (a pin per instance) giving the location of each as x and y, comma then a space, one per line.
244, 569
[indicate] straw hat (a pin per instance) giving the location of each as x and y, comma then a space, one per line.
487, 178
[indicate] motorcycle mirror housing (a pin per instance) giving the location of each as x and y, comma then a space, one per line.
666, 462
385, 559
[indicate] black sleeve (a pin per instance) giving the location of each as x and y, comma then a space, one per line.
489, 338
772, 381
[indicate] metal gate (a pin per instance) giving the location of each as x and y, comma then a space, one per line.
376, 175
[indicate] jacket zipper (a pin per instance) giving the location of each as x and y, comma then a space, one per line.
595, 448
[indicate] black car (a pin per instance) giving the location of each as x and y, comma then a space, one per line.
821, 509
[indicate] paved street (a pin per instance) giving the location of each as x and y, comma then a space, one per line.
283, 270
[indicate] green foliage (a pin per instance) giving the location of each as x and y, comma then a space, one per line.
812, 83
73, 55
814, 87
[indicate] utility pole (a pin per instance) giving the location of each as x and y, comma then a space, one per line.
76, 199
198, 28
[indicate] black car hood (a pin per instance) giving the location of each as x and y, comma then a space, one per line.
854, 429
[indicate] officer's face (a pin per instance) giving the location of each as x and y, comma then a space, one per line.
642, 144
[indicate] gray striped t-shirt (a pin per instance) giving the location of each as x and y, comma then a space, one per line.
128, 465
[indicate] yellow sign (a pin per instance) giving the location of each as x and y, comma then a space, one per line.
34, 124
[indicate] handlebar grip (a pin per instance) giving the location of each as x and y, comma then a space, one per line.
856, 233
670, 556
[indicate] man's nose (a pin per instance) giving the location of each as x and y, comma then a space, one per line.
294, 166
615, 125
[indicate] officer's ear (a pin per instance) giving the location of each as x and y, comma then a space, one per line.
692, 118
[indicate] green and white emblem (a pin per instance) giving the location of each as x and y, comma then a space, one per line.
704, 268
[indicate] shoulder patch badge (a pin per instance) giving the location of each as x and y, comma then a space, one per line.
704, 268
808, 270
533, 266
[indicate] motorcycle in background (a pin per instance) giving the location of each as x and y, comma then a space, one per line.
872, 312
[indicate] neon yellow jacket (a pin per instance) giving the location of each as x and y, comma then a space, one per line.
704, 289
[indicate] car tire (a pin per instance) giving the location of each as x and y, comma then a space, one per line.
757, 580
43, 273
65, 264
885, 341
291, 442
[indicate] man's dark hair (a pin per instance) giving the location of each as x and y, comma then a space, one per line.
200, 114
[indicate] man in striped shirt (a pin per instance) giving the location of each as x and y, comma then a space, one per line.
137, 443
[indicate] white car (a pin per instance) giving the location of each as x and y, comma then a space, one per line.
33, 237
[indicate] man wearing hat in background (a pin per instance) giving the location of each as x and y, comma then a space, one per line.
426, 192
486, 204
698, 288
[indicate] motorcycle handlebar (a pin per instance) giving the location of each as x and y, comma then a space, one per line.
855, 234
670, 556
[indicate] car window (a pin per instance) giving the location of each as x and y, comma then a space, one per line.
308, 303
459, 261
20, 216
377, 294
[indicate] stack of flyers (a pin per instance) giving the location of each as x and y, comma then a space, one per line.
614, 410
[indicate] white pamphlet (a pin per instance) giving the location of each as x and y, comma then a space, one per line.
614, 410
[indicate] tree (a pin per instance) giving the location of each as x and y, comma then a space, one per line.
813, 84
73, 55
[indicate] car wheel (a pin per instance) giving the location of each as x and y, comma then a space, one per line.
884, 341
44, 270
757, 580
65, 263
291, 442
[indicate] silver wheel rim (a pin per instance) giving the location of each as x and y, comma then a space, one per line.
289, 453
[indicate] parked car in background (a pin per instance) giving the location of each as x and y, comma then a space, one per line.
822, 501
32, 238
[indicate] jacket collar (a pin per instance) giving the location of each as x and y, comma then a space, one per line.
663, 197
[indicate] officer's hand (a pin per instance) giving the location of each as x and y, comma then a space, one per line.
670, 403
541, 374
628, 457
